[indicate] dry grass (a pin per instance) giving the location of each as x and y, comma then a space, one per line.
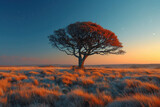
67, 79
33, 72
35, 82
1, 91
4, 85
31, 95
90, 98
85, 80
137, 100
51, 78
92, 87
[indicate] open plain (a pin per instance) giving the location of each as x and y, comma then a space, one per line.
34, 86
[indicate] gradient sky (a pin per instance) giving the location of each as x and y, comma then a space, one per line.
25, 25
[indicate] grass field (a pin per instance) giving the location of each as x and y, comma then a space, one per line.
67, 87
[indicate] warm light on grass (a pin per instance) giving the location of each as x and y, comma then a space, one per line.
63, 87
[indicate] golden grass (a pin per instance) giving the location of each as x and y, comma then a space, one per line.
35, 82
97, 74
68, 79
52, 86
51, 78
1, 92
4, 85
132, 83
3, 100
86, 80
141, 100
92, 100
33, 72
137, 83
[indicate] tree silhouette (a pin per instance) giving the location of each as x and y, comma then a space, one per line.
82, 39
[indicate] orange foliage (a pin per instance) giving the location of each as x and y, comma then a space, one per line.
96, 29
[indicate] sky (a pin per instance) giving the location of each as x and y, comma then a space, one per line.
26, 24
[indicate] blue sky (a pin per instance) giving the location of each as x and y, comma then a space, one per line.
25, 25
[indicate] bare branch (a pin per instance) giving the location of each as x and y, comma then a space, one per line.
84, 39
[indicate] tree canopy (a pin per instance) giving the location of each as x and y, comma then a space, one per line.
82, 39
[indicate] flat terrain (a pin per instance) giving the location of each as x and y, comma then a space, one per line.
67, 87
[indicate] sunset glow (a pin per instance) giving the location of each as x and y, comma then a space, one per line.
25, 26
79, 53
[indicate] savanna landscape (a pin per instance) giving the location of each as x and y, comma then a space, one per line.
79, 53
33, 86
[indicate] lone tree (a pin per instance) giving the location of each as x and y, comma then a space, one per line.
82, 39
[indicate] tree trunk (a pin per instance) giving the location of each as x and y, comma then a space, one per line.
81, 61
